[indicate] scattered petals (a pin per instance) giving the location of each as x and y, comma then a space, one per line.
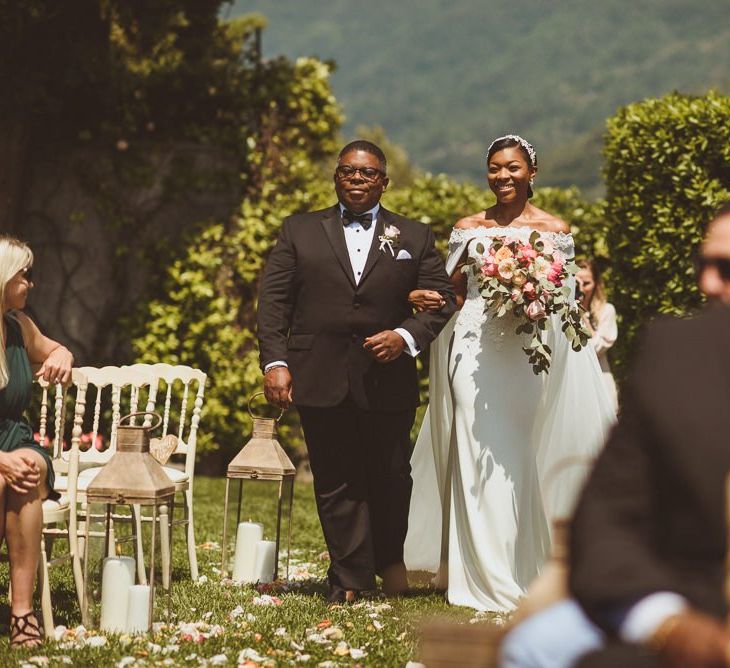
96, 641
249, 654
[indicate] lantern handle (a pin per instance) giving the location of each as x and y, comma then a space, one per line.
151, 427
251, 413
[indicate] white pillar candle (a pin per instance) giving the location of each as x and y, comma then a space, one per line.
247, 536
265, 561
138, 609
116, 579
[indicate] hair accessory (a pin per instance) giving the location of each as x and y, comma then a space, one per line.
522, 142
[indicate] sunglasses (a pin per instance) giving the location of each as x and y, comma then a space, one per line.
27, 273
722, 264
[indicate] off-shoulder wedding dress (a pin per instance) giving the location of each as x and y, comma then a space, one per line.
501, 451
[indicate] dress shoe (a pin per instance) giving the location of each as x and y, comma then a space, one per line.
338, 595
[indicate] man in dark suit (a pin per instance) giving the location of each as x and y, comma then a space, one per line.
649, 538
338, 338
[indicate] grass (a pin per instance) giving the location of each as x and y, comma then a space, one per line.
216, 622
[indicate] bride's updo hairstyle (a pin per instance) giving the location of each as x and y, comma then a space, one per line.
515, 141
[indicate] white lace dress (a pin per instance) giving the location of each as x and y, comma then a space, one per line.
501, 450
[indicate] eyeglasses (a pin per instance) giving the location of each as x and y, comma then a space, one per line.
722, 264
348, 171
27, 273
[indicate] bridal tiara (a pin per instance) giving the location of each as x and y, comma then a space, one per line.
522, 142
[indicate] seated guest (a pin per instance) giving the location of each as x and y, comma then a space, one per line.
26, 474
649, 539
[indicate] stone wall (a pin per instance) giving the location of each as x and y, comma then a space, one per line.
104, 225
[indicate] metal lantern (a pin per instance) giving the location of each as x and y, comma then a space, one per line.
132, 477
263, 462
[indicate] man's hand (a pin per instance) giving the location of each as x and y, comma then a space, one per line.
277, 387
57, 366
693, 639
20, 471
385, 346
426, 300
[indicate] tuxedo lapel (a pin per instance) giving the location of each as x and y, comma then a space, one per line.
375, 254
332, 224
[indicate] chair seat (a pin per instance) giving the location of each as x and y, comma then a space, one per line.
84, 479
176, 475
55, 510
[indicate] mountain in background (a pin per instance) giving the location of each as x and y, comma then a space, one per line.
444, 77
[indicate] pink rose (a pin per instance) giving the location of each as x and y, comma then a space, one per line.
556, 270
535, 310
528, 252
489, 269
528, 290
516, 295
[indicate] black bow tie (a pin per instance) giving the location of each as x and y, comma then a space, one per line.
365, 219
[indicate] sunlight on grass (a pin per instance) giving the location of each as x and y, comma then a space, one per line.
219, 623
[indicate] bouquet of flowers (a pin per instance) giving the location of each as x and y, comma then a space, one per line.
528, 281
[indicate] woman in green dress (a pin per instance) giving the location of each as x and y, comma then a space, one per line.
26, 474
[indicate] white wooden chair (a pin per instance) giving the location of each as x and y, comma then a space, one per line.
116, 392
184, 389
59, 516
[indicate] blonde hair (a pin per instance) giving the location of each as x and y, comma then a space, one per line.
14, 256
598, 298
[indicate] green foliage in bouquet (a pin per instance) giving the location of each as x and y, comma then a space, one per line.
667, 170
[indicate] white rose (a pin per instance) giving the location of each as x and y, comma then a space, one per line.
507, 267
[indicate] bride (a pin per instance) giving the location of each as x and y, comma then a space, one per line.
501, 451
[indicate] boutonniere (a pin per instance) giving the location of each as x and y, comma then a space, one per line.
389, 239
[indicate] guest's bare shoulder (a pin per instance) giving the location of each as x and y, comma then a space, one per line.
470, 222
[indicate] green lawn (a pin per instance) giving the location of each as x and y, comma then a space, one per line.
218, 623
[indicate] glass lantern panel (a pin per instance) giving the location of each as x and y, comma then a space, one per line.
257, 529
120, 587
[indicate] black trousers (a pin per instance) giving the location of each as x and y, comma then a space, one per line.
360, 461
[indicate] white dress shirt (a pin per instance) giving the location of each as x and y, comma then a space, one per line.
646, 616
358, 241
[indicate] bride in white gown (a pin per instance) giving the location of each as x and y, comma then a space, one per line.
501, 451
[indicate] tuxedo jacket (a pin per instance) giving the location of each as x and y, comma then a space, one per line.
653, 515
313, 315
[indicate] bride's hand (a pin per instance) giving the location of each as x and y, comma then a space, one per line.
426, 300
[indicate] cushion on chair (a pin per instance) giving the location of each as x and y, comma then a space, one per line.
52, 505
176, 475
85, 477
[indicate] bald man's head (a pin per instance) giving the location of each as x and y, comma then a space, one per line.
714, 259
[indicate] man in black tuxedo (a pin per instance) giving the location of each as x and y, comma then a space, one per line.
649, 537
338, 338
